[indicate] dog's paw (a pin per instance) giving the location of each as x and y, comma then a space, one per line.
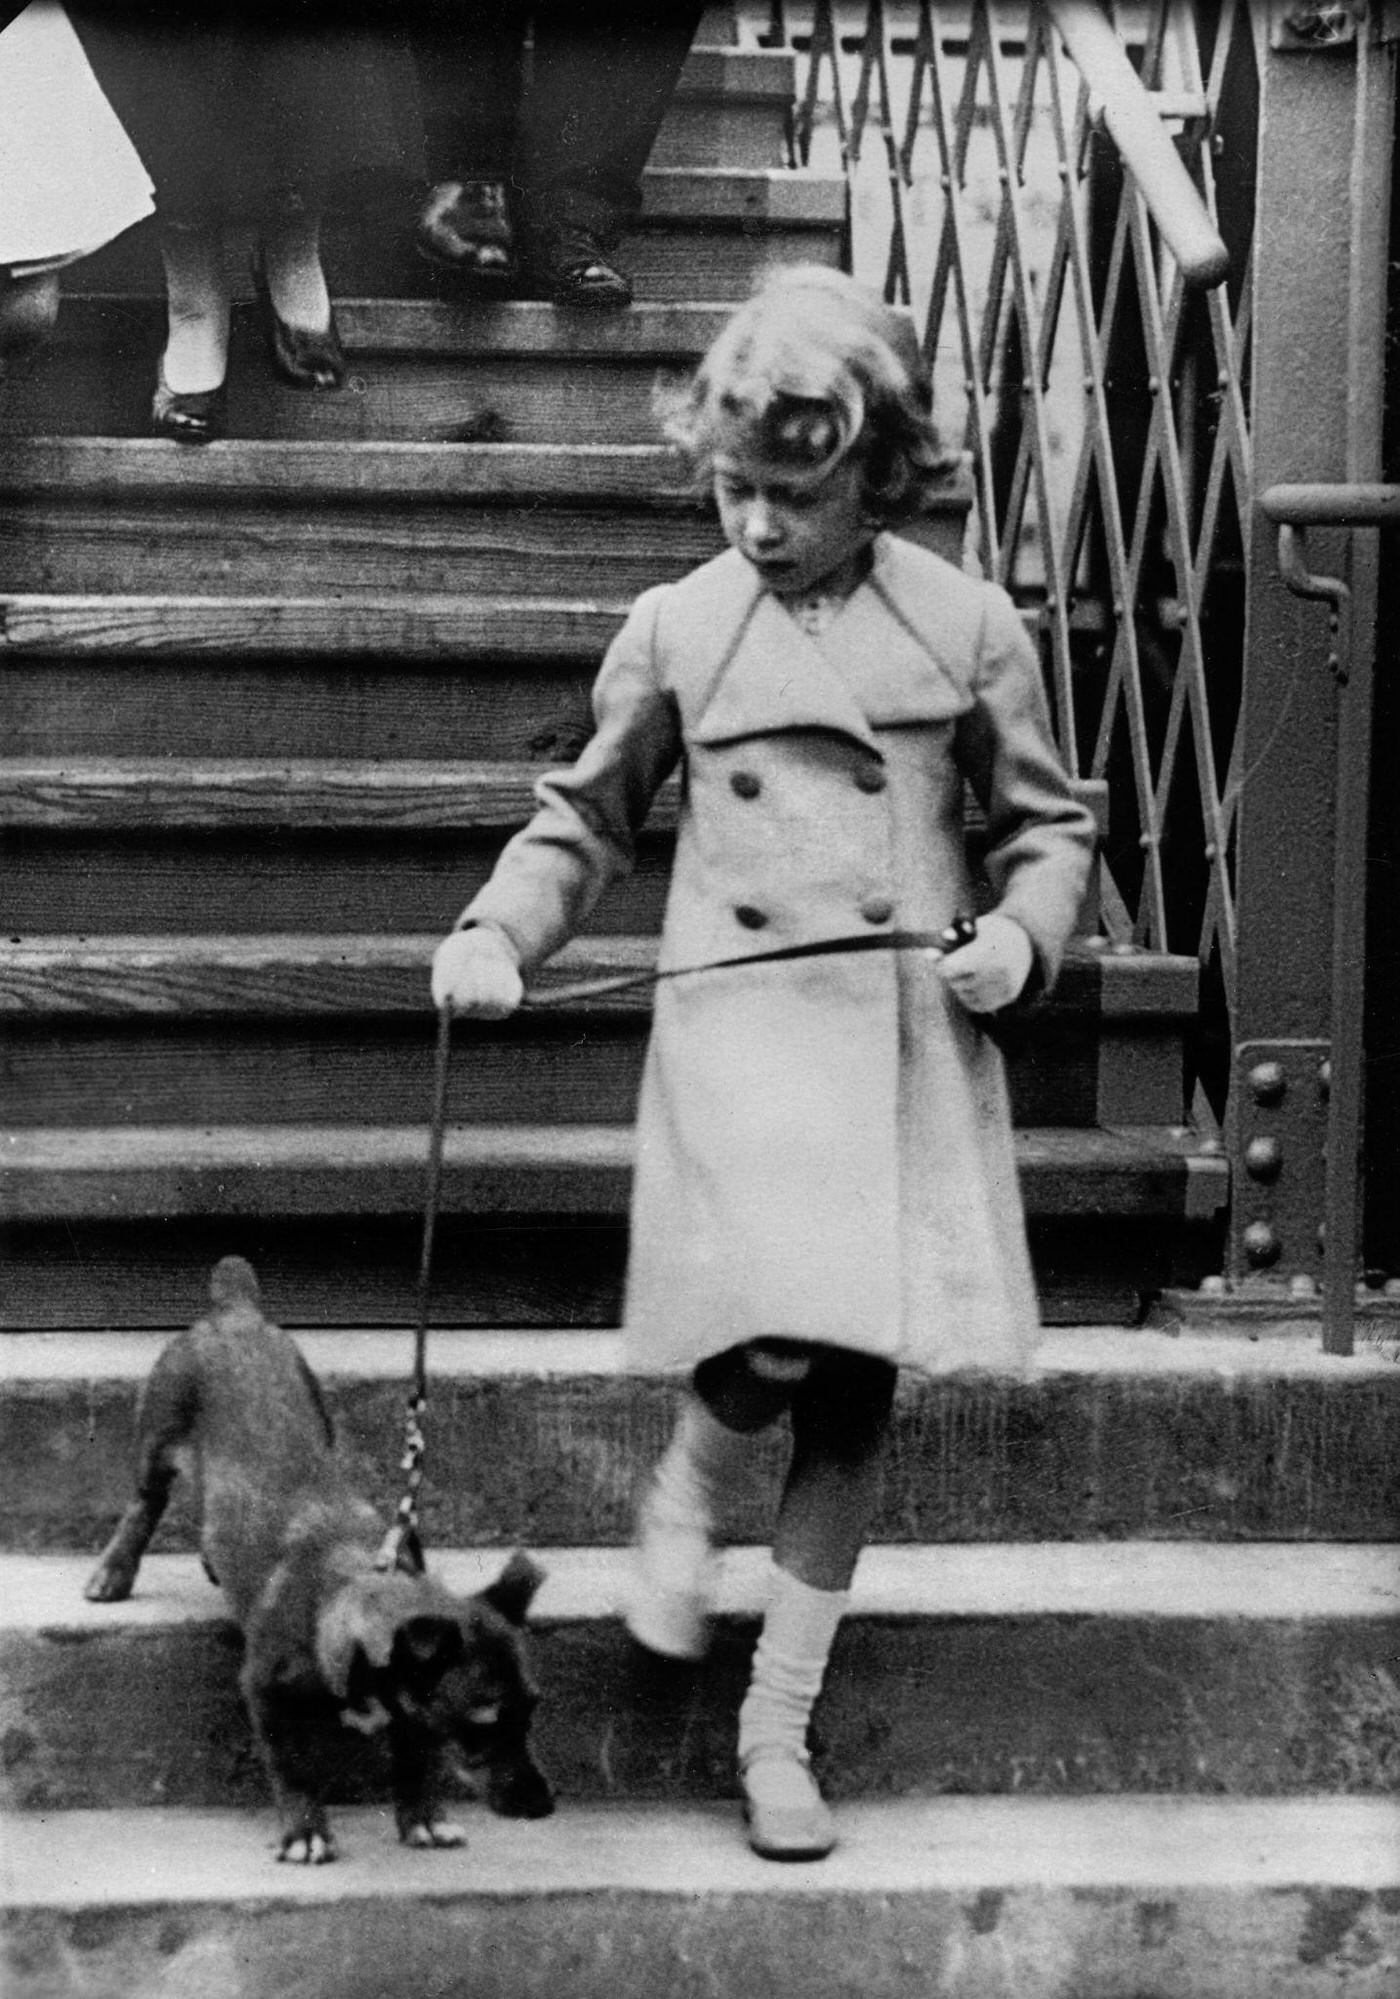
110, 1582
442, 1832
520, 1794
308, 1849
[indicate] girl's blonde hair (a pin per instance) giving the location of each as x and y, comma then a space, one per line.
809, 370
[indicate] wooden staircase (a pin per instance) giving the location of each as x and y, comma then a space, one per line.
1116, 1709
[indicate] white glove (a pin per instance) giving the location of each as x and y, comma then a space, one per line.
991, 971
475, 972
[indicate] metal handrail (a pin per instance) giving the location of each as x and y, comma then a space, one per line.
1134, 124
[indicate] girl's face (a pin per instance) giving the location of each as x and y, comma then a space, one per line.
798, 532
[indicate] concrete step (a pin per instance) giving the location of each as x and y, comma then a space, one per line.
995, 1898
1128, 1667
541, 1438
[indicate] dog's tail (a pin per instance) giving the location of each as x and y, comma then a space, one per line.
234, 1282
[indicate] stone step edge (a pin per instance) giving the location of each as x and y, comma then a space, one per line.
167, 1858
475, 1354
1151, 1581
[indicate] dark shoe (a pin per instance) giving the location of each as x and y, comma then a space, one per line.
465, 227
187, 416
305, 359
571, 267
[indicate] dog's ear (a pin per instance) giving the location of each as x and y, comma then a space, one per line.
361, 1619
428, 1644
514, 1589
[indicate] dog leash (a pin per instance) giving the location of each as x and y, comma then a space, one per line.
960, 931
401, 1541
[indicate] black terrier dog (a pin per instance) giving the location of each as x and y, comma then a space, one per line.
331, 1641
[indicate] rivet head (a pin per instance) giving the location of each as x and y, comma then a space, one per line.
751, 918
1324, 1079
1267, 1082
745, 784
1263, 1158
1212, 1286
1261, 1245
1301, 1285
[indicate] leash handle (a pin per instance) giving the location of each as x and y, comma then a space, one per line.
402, 1537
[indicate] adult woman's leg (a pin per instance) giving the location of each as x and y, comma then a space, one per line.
189, 399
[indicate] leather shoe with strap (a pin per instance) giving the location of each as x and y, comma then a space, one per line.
465, 227
788, 1819
571, 266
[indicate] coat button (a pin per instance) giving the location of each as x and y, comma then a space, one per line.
877, 909
751, 918
871, 778
745, 784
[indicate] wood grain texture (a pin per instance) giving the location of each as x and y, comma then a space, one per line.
581, 1169
173, 793
403, 627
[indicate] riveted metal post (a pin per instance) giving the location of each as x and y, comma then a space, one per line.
1304, 746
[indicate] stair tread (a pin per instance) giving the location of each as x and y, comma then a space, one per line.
471, 329
186, 1170
296, 973
1278, 1581
476, 1354
142, 792
118, 1148
361, 471
127, 1860
409, 627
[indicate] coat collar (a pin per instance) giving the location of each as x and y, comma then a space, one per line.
872, 668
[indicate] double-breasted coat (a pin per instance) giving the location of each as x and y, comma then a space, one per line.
824, 1147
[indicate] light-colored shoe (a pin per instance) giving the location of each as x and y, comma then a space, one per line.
788, 1819
668, 1606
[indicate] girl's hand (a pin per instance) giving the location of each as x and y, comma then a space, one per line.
991, 971
475, 972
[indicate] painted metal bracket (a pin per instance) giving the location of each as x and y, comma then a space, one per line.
1338, 1064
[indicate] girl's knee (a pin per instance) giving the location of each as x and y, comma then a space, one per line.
843, 1407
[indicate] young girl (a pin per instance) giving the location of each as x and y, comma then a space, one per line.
70, 179
260, 117
825, 1182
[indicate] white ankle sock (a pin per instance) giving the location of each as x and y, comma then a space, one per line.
675, 1531
789, 1665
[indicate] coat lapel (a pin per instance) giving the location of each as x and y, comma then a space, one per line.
776, 678
893, 654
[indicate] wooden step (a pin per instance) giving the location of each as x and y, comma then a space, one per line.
420, 370
176, 1030
1043, 1898
1120, 1433
994, 1670
732, 108
95, 1173
488, 1270
704, 233
275, 845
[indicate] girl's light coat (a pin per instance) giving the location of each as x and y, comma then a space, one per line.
824, 1147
